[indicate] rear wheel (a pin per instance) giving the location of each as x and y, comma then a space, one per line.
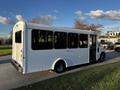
102, 57
60, 67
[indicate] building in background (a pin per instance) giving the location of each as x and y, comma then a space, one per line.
110, 36
113, 33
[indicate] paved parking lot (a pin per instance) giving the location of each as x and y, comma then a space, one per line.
11, 78
110, 54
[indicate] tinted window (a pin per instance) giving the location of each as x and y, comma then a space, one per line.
60, 40
83, 41
42, 39
18, 36
72, 40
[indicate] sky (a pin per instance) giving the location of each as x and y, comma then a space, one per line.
59, 13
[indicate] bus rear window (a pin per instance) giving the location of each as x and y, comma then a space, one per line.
18, 36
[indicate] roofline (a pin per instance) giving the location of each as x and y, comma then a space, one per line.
37, 26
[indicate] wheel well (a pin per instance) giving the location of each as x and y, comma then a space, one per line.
102, 53
58, 61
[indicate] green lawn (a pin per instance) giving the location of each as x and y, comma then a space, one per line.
5, 51
105, 77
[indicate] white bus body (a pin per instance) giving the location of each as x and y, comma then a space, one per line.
28, 56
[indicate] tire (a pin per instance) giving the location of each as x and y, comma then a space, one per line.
102, 57
60, 67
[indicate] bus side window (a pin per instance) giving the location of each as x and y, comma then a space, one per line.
72, 40
83, 40
42, 39
60, 40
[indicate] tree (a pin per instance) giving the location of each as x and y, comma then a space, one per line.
84, 26
9, 40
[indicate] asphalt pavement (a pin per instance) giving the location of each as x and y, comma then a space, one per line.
5, 59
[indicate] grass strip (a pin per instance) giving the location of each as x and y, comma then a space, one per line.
5, 51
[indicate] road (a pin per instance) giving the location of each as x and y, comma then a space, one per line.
11, 78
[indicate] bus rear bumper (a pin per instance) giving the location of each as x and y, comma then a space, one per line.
17, 66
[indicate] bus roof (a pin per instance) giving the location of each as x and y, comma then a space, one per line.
46, 27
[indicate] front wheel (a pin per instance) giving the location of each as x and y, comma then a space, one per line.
102, 57
60, 67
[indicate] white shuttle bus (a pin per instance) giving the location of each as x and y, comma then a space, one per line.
39, 47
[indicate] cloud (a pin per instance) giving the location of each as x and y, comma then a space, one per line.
47, 20
5, 20
81, 15
110, 15
97, 14
113, 15
19, 18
